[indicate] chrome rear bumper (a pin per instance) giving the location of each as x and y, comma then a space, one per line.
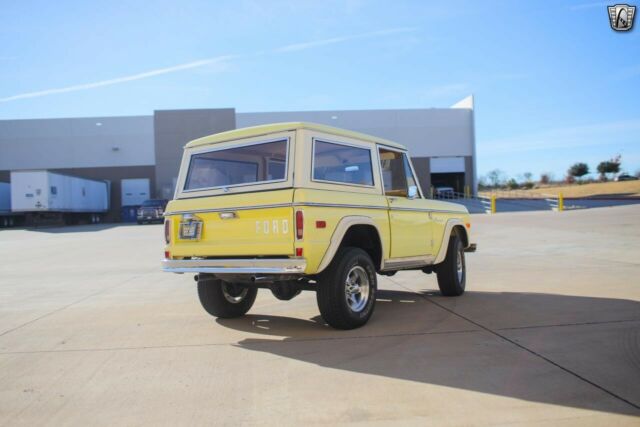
236, 266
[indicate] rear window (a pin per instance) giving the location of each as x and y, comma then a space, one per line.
342, 164
248, 164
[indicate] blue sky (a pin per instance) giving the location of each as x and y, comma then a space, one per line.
553, 83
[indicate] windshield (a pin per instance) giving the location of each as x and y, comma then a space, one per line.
247, 164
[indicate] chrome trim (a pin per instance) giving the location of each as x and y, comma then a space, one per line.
310, 204
231, 209
227, 215
423, 210
236, 266
408, 262
338, 205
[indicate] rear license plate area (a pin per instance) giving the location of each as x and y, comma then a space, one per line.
190, 230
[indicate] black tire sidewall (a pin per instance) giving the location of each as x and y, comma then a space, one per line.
448, 271
216, 304
331, 293
459, 248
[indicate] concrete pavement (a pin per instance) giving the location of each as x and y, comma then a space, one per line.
548, 333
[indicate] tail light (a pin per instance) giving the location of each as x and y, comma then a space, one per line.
299, 225
167, 231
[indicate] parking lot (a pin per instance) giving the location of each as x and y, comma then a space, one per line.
548, 333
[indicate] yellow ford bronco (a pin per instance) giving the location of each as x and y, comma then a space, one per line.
301, 206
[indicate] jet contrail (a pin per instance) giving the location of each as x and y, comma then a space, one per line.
201, 63
139, 76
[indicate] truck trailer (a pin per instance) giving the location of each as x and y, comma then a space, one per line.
7, 217
49, 197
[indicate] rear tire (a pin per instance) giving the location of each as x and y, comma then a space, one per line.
452, 273
346, 292
224, 299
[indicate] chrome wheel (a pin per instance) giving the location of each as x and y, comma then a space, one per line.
459, 265
234, 293
357, 289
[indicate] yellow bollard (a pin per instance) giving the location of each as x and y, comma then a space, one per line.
560, 202
431, 191
467, 192
493, 203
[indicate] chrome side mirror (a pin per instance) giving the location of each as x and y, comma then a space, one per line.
413, 192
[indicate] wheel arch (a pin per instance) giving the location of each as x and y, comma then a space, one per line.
351, 229
454, 225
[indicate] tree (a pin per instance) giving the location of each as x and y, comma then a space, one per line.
578, 170
609, 166
495, 177
512, 184
528, 177
546, 178
482, 183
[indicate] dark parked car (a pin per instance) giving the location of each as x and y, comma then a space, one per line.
626, 177
152, 211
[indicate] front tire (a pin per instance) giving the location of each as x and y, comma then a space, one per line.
346, 292
452, 273
225, 300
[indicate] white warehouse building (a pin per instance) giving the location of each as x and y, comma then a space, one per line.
140, 155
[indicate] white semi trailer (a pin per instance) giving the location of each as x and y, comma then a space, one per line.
45, 196
7, 218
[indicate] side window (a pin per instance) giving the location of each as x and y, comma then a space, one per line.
342, 164
393, 174
411, 180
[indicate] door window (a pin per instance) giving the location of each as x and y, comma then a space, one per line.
393, 174
396, 173
411, 180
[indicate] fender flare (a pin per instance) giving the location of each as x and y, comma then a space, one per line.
339, 233
442, 253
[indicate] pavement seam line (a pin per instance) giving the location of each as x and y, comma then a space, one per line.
604, 322
522, 347
78, 301
265, 342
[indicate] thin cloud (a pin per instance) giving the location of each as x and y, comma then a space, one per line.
125, 79
219, 60
319, 43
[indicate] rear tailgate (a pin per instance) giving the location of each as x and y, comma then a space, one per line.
249, 224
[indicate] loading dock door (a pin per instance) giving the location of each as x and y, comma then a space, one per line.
448, 172
134, 191
454, 180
